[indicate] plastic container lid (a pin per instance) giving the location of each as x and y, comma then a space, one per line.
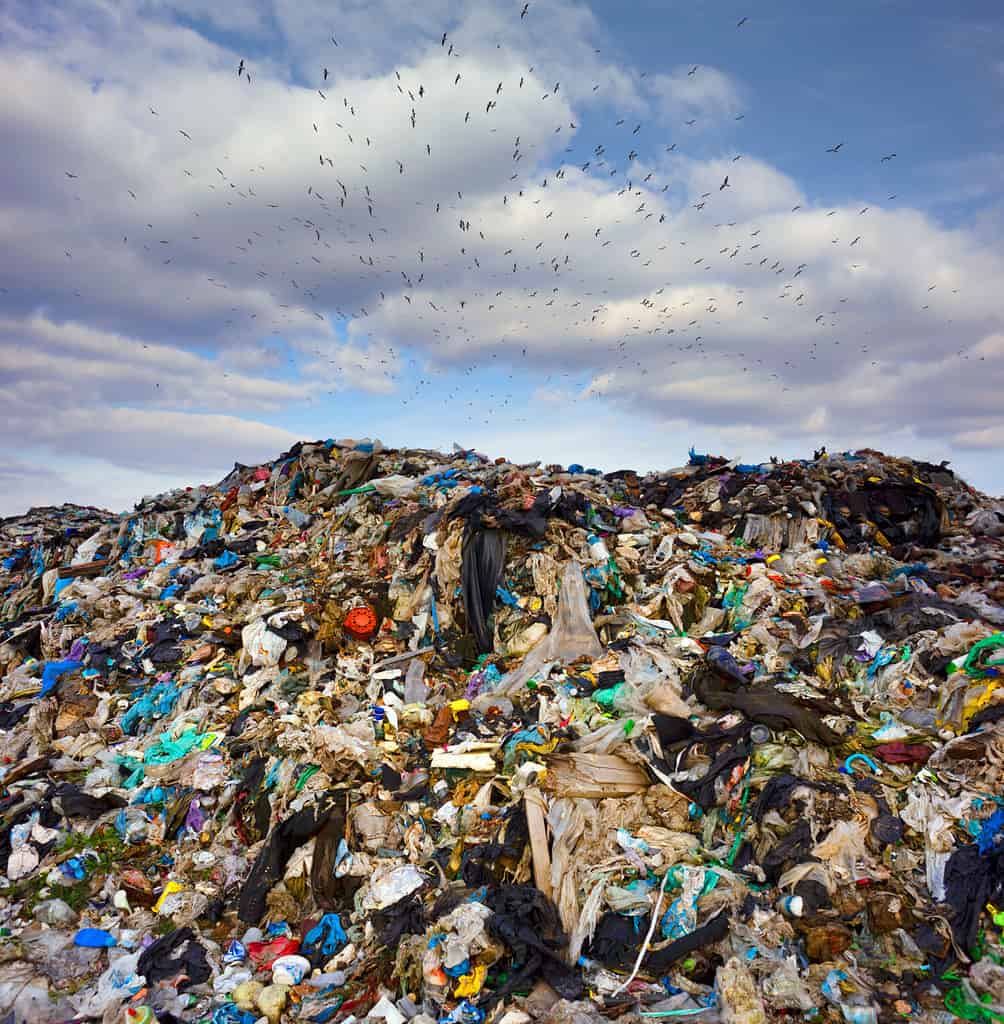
361, 623
887, 828
760, 734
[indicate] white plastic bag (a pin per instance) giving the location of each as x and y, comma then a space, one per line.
388, 887
261, 645
395, 486
572, 636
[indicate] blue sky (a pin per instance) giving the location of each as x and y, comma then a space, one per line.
200, 290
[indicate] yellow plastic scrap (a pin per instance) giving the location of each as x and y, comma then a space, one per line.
470, 984
772, 558
537, 748
882, 539
979, 701
454, 864
457, 706
834, 537
169, 890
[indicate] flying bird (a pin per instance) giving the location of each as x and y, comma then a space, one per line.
886, 159
522, 14
835, 149
725, 184
742, 21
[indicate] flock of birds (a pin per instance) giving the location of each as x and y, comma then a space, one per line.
539, 287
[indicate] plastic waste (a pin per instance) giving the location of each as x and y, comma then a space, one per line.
740, 764
94, 937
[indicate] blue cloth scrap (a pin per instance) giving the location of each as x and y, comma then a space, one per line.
991, 834
52, 672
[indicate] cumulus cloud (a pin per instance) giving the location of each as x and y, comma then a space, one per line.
165, 442
180, 275
706, 93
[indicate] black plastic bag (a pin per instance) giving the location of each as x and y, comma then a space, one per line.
480, 573
271, 862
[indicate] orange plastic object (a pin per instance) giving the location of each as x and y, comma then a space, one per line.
361, 623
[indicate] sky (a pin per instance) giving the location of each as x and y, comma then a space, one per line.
595, 233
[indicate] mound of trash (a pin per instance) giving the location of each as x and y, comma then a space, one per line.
396, 735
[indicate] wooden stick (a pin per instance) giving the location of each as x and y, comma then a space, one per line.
536, 823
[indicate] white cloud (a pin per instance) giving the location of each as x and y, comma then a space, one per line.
986, 437
163, 442
82, 481
244, 280
705, 94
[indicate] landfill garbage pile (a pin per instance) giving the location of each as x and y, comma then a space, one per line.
388, 735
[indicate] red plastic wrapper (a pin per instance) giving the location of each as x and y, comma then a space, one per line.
264, 954
903, 753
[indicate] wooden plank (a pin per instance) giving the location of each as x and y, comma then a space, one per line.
84, 568
537, 825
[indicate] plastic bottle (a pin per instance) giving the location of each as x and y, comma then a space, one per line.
859, 1014
139, 1015
415, 690
793, 906
379, 715
334, 978
132, 825
598, 550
